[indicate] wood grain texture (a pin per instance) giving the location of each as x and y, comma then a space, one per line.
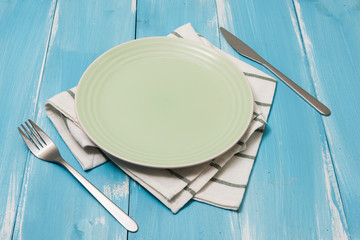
331, 32
22, 50
80, 32
292, 192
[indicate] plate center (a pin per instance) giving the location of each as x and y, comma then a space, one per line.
167, 99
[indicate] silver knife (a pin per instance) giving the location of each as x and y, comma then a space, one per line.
247, 52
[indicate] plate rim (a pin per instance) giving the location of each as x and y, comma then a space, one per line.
107, 153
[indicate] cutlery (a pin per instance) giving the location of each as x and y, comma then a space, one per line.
249, 53
44, 148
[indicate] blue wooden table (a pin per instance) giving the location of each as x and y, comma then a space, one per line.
305, 181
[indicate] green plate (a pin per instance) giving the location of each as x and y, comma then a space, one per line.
163, 102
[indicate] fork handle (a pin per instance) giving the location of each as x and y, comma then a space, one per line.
114, 210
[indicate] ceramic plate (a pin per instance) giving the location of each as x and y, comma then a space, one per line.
163, 102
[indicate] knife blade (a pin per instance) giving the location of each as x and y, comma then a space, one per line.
249, 53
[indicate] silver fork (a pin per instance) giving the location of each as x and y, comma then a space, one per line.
44, 148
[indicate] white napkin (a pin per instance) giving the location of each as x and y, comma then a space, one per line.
221, 182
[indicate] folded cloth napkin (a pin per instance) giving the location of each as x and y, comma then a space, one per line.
220, 182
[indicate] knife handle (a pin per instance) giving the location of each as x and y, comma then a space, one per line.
321, 108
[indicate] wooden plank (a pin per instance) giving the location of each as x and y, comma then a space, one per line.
53, 205
196, 220
160, 18
21, 59
331, 31
293, 191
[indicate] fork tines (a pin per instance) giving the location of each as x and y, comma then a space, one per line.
34, 136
